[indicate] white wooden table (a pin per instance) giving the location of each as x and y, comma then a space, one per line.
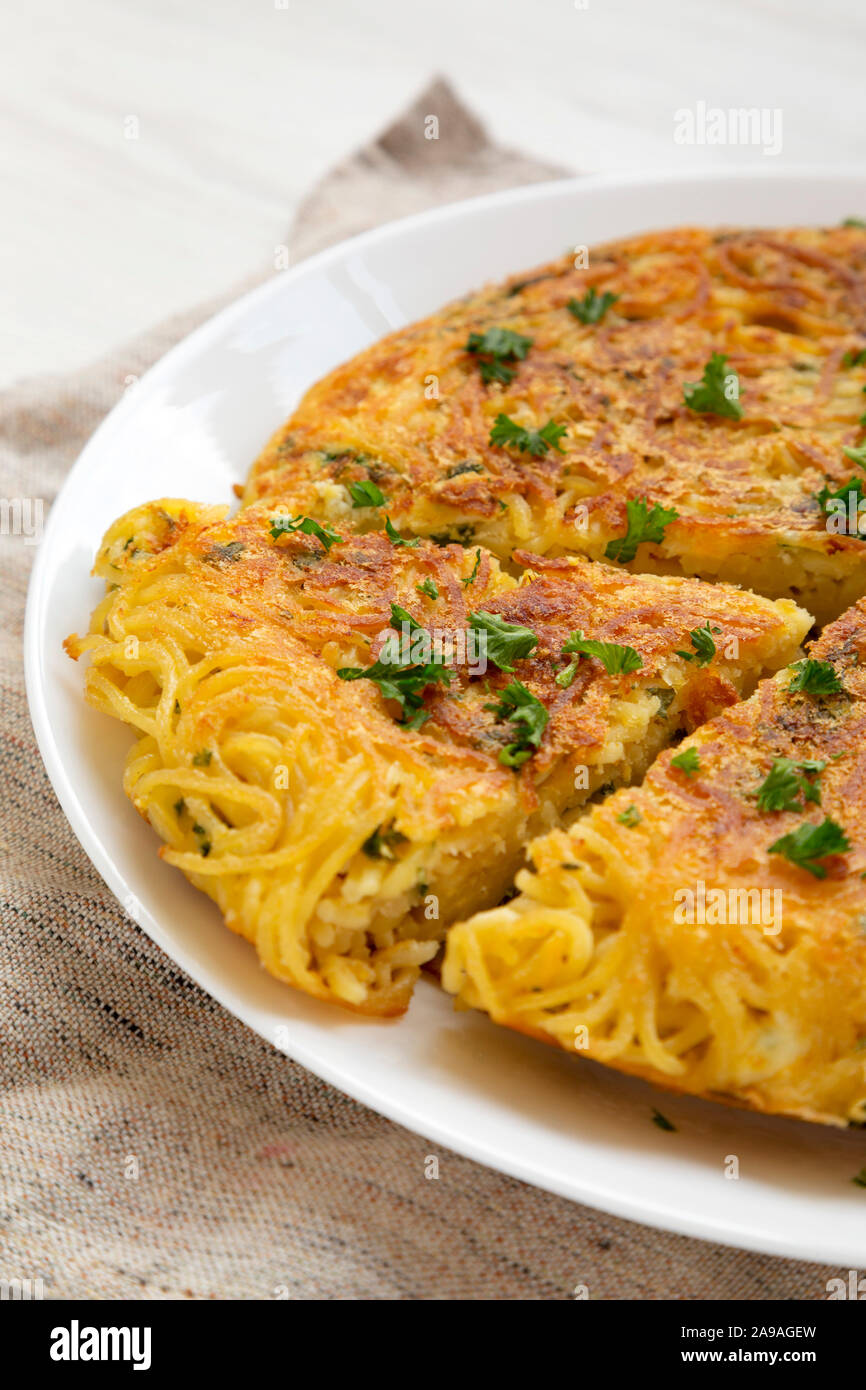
237, 106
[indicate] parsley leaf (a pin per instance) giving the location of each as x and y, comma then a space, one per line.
494, 369
786, 782
815, 677
565, 677
494, 348
380, 844
593, 307
662, 1122
394, 536
471, 578
688, 761
285, 525
810, 843
854, 358
403, 684
528, 718
854, 222
631, 816
366, 494
459, 469
616, 660
710, 394
202, 758
428, 587
644, 523
703, 643
230, 552
400, 615
502, 642
455, 535
853, 488
535, 442
665, 698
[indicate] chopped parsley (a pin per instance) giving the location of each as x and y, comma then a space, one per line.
202, 757
854, 222
808, 844
662, 1122
703, 643
521, 285
228, 553
593, 307
285, 525
852, 489
786, 782
709, 396
815, 677
859, 1179
503, 643
465, 467
205, 846
528, 718
688, 761
471, 578
400, 615
644, 523
402, 683
380, 845
455, 535
496, 347
366, 494
665, 698
854, 358
631, 816
567, 674
394, 536
428, 587
616, 660
535, 442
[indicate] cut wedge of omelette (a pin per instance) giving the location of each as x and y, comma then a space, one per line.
678, 402
346, 740
707, 930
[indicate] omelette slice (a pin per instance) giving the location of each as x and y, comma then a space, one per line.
346, 741
707, 930
679, 402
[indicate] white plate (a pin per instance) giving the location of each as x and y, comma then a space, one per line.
190, 428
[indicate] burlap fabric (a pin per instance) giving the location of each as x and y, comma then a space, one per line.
150, 1145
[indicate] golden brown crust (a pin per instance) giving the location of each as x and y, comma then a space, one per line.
269, 775
784, 306
763, 1004
270, 593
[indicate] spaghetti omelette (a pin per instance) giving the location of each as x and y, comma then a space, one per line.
707, 930
346, 740
680, 401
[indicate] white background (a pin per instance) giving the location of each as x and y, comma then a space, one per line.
242, 105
